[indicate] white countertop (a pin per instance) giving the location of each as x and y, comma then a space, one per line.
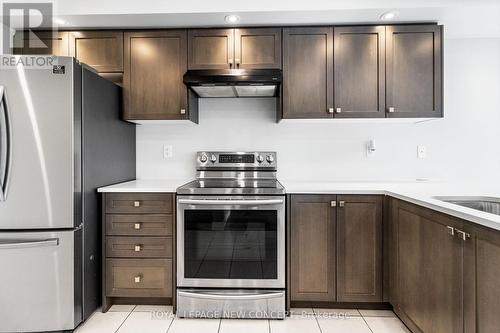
418, 192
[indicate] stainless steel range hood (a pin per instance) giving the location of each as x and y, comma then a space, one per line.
233, 83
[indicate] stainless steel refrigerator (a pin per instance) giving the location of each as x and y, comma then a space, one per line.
61, 137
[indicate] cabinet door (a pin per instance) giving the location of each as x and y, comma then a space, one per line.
155, 62
211, 48
430, 270
359, 83
101, 50
482, 283
359, 248
414, 71
307, 72
313, 248
257, 48
54, 43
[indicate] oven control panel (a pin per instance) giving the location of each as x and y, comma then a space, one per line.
239, 160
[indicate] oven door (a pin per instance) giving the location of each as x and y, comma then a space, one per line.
231, 241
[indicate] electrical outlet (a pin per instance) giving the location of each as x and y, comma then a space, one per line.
167, 151
421, 152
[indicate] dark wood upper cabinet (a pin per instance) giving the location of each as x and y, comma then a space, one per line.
308, 72
257, 48
101, 50
211, 49
313, 225
429, 270
414, 71
359, 72
359, 248
155, 62
52, 42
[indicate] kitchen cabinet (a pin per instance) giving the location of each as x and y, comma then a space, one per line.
138, 248
481, 282
359, 248
312, 263
258, 48
57, 42
101, 50
234, 48
308, 72
336, 248
359, 72
429, 269
414, 86
155, 62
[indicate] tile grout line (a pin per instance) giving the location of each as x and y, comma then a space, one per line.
317, 321
123, 322
269, 326
171, 322
220, 323
366, 322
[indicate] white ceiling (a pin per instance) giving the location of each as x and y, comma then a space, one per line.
462, 18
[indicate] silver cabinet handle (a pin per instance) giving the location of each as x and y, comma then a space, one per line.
391, 109
333, 203
5, 144
229, 296
17, 244
338, 110
331, 110
451, 230
137, 226
231, 202
183, 111
463, 235
137, 204
138, 248
138, 278
341, 203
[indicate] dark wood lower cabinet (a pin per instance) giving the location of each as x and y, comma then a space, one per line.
359, 248
138, 248
313, 224
335, 249
429, 270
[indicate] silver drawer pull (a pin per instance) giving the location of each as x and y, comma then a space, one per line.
333, 203
183, 111
138, 278
137, 226
391, 109
331, 110
338, 110
228, 296
138, 248
231, 202
137, 204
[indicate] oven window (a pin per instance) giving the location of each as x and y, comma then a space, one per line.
230, 244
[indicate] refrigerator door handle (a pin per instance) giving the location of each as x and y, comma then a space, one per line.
5, 144
19, 244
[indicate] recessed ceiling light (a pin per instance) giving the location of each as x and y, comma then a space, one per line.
388, 16
231, 18
59, 21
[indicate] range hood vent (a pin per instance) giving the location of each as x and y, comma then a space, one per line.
233, 83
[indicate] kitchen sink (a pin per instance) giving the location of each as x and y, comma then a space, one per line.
485, 204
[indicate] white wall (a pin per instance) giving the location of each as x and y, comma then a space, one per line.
464, 145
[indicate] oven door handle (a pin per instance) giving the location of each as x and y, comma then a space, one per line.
231, 202
228, 296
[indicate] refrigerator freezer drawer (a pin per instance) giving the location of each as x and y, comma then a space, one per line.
37, 281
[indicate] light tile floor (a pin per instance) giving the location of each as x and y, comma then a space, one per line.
159, 319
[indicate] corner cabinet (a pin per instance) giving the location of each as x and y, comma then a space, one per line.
155, 62
414, 71
335, 248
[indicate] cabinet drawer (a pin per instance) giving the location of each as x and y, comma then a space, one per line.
139, 277
139, 225
139, 203
139, 247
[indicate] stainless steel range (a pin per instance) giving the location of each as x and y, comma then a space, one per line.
231, 238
